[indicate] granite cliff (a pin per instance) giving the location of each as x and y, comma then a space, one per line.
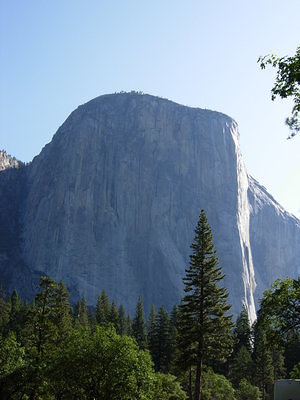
113, 200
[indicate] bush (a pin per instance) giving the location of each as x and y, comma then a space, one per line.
246, 391
216, 387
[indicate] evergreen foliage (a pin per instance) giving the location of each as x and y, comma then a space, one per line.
103, 308
242, 331
151, 328
241, 366
11, 355
81, 313
15, 308
279, 369
204, 328
122, 321
4, 312
139, 325
58, 357
295, 373
48, 352
264, 372
161, 346
114, 316
246, 391
292, 354
129, 326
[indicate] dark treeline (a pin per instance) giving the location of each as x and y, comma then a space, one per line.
50, 350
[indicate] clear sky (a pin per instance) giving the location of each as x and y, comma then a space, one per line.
58, 54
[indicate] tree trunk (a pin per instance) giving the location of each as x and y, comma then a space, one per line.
190, 384
198, 380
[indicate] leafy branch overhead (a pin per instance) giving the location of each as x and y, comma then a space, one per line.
287, 84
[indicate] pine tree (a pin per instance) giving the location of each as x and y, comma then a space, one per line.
241, 366
4, 312
92, 319
40, 333
129, 330
83, 317
240, 363
204, 329
151, 330
114, 316
162, 341
103, 308
278, 364
99, 311
264, 372
122, 322
80, 314
15, 314
173, 334
242, 331
139, 325
61, 314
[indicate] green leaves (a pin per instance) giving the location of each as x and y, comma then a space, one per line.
287, 84
167, 388
104, 365
216, 386
11, 355
246, 391
280, 309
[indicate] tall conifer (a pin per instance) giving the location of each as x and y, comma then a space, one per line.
103, 308
204, 329
162, 341
114, 316
242, 331
264, 372
122, 322
151, 330
15, 317
139, 325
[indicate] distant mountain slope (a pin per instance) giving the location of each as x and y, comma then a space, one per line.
275, 238
113, 200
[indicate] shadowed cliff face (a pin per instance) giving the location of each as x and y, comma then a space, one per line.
113, 200
275, 238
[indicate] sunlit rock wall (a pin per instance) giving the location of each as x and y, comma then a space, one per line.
112, 202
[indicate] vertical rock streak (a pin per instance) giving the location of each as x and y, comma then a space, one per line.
243, 223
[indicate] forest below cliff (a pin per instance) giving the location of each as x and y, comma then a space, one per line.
63, 352
52, 350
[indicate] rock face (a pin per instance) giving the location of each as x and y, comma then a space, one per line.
6, 161
274, 236
13, 272
112, 202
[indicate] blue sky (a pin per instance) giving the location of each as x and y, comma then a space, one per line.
57, 54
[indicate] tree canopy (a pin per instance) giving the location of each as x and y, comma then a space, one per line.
287, 84
48, 351
280, 309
